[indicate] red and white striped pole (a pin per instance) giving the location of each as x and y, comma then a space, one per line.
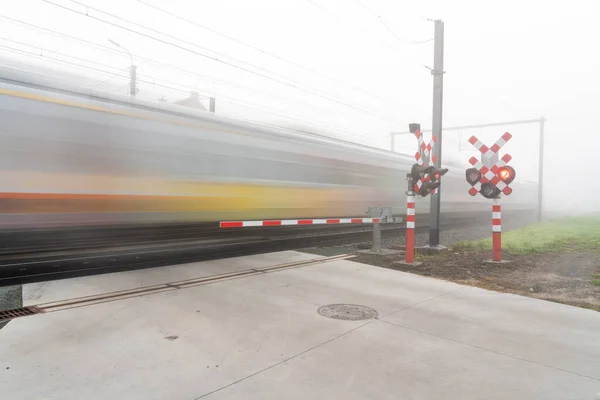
410, 228
497, 230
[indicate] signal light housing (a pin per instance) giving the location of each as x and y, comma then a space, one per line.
418, 171
427, 187
473, 176
489, 191
430, 174
414, 127
436, 174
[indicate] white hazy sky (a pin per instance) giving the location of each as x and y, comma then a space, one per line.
504, 61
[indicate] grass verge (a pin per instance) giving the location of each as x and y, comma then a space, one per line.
553, 235
596, 280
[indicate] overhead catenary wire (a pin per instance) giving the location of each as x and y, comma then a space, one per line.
169, 66
255, 122
234, 101
271, 95
54, 77
336, 16
387, 27
308, 89
72, 64
58, 52
105, 81
262, 51
156, 31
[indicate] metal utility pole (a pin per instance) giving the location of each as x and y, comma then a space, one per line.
438, 97
541, 170
133, 80
132, 70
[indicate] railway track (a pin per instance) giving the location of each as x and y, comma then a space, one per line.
19, 244
118, 256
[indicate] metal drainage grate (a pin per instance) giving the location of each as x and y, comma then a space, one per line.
350, 312
7, 315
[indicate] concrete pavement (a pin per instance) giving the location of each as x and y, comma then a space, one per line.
261, 337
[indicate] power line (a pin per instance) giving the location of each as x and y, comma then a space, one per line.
156, 31
69, 63
59, 53
266, 52
336, 16
160, 64
313, 91
255, 122
103, 82
263, 92
45, 75
301, 119
229, 99
386, 26
287, 128
119, 89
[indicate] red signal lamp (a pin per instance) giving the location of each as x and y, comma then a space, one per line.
436, 174
506, 174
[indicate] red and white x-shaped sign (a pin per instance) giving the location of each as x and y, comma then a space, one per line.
490, 174
424, 157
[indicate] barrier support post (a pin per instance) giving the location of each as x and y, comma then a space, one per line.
376, 246
380, 215
410, 221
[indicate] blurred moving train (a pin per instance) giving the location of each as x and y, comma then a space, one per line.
73, 157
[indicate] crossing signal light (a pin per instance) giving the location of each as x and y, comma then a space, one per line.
489, 191
506, 174
427, 187
418, 171
430, 174
436, 174
473, 176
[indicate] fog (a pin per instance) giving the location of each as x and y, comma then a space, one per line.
352, 69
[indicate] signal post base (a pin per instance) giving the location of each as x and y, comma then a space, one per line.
381, 252
415, 263
498, 262
431, 249
425, 249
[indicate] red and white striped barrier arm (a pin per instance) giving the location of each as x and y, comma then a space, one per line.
288, 222
497, 230
410, 229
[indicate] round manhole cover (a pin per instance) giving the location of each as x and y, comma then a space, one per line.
350, 312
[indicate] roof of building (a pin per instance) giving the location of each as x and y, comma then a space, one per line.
193, 101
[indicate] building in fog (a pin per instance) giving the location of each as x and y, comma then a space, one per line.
193, 101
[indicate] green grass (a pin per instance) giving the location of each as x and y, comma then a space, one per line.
596, 280
554, 235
